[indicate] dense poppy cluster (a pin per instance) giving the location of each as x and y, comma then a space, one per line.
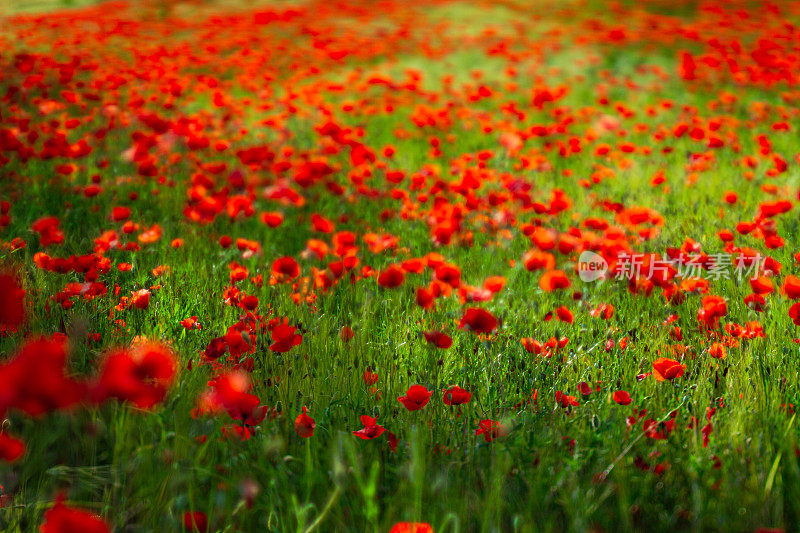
36, 381
259, 187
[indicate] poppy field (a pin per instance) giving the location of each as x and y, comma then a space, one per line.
399, 267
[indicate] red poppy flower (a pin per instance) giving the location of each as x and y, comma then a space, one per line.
564, 401
238, 342
151, 234
215, 349
229, 393
494, 284
321, 224
414, 265
794, 313
346, 333
11, 448
304, 425
120, 213
543, 238
756, 302
371, 428
391, 277
191, 323
604, 311
416, 398
761, 285
553, 280
791, 287
538, 260
370, 378
236, 431
286, 267
284, 338
140, 299
478, 320
490, 429
449, 274
717, 350
241, 405
531, 345
12, 304
393, 442
425, 297
725, 235
564, 314
714, 308
48, 230
455, 395
438, 339
621, 397
195, 521
272, 219
34, 380
63, 519
140, 376
658, 430
667, 369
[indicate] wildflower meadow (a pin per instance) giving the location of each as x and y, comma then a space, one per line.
399, 267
